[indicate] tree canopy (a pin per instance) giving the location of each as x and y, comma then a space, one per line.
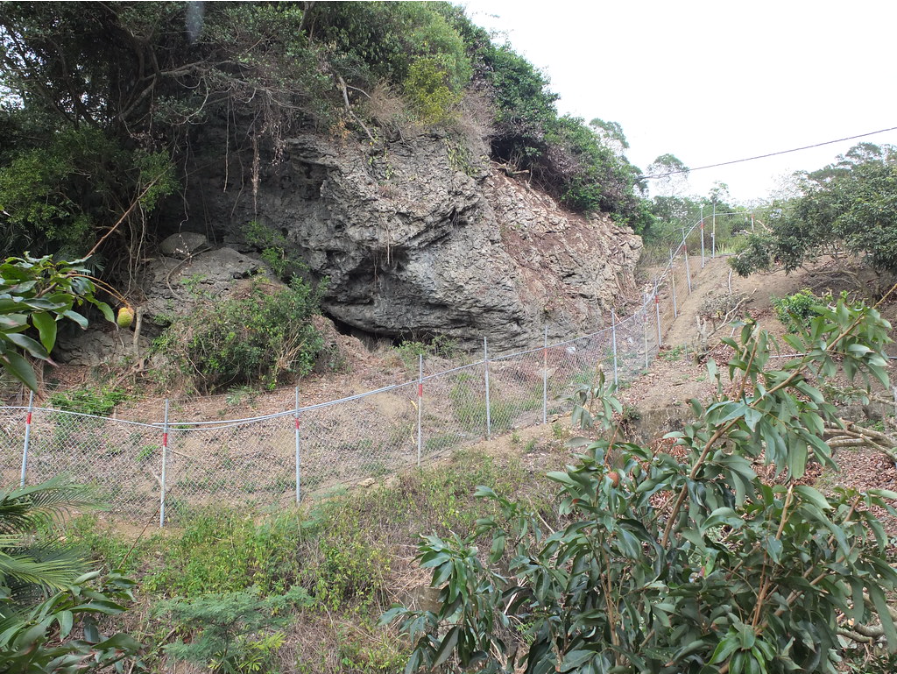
850, 204
99, 103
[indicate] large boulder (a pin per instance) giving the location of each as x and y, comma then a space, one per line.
172, 287
416, 238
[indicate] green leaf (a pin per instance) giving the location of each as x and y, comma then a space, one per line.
884, 493
724, 649
66, 622
106, 310
120, 642
560, 476
881, 607
13, 322
813, 496
720, 517
76, 317
575, 659
19, 368
34, 348
857, 608
449, 641
46, 326
498, 549
797, 461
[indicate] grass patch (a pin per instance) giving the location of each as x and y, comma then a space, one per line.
349, 554
469, 406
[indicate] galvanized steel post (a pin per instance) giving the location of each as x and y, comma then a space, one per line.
657, 310
545, 377
488, 407
164, 467
420, 404
27, 438
673, 282
613, 332
645, 329
298, 451
702, 240
687, 266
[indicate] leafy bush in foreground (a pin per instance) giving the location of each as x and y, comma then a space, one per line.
685, 562
50, 613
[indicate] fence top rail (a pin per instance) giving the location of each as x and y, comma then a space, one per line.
53, 410
579, 339
451, 370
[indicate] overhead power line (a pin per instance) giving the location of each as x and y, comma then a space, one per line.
771, 154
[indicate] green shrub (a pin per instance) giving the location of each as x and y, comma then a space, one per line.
410, 351
797, 310
232, 632
427, 89
223, 551
260, 337
54, 617
96, 401
274, 248
685, 562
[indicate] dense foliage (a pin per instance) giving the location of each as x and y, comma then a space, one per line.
850, 204
100, 102
259, 337
570, 159
798, 310
35, 295
680, 561
51, 612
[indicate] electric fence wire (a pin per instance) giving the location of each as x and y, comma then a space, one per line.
765, 156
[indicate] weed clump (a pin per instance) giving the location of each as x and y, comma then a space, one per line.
257, 338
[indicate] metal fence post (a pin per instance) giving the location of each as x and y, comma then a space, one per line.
645, 328
673, 282
545, 377
613, 332
27, 438
657, 310
298, 451
702, 242
687, 265
420, 405
488, 407
164, 467
713, 235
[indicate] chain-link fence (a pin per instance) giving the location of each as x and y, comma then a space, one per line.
163, 468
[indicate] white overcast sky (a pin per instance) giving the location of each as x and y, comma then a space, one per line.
715, 81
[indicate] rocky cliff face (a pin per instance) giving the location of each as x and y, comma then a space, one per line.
418, 239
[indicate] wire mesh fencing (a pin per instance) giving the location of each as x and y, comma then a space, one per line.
159, 466
119, 461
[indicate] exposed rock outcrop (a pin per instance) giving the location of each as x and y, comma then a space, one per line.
172, 286
417, 239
